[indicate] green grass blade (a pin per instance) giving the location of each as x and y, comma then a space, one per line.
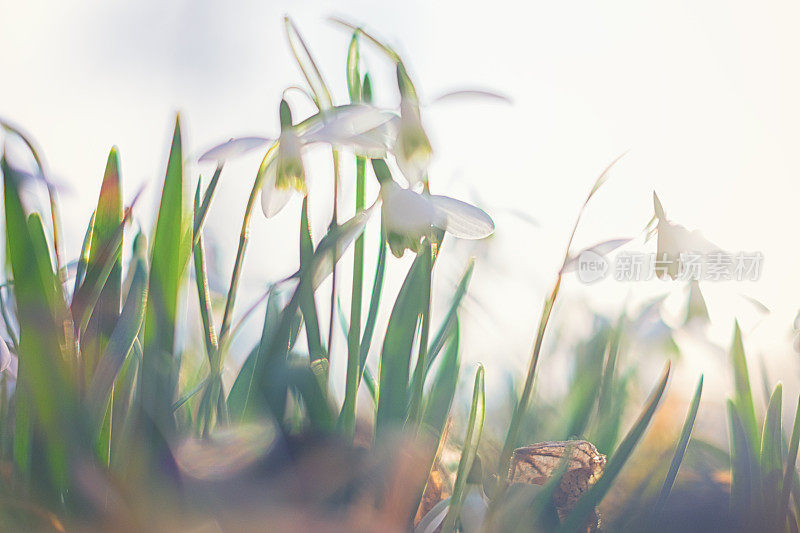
741, 466
450, 318
213, 396
744, 394
302, 378
125, 332
586, 505
606, 427
789, 470
374, 303
308, 305
241, 396
372, 385
418, 377
771, 461
469, 450
581, 400
201, 210
84, 299
204, 294
397, 345
680, 450
107, 219
171, 248
273, 391
440, 398
83, 258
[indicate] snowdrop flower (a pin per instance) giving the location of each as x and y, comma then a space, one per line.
409, 216
674, 240
412, 149
364, 129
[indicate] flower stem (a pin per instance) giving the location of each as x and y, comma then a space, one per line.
348, 414
244, 235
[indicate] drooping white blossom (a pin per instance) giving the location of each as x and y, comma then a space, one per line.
409, 217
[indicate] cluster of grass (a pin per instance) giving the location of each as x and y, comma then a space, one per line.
105, 425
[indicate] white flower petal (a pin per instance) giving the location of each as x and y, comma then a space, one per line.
233, 148
461, 219
272, 198
407, 212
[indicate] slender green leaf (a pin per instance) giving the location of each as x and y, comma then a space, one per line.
418, 377
307, 303
84, 299
771, 462
171, 248
374, 303
468, 451
440, 397
204, 294
397, 345
302, 378
744, 395
201, 211
83, 258
450, 318
107, 219
789, 470
741, 467
680, 450
125, 332
241, 396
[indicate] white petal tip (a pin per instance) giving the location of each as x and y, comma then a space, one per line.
232, 148
461, 219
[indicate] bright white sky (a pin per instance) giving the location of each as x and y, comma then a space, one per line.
703, 95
